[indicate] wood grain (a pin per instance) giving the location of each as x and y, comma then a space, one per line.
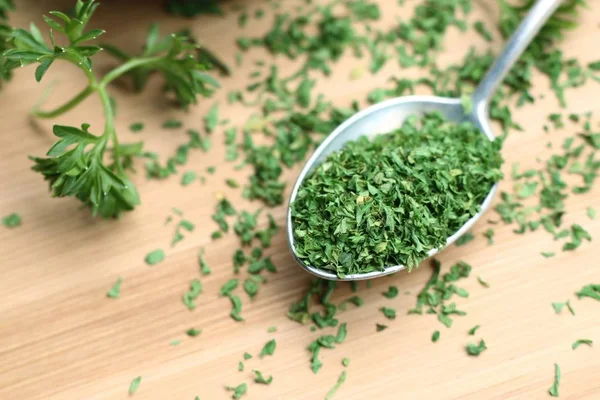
61, 338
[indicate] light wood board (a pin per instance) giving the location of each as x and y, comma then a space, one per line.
61, 338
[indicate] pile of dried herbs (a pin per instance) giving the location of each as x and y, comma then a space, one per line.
390, 200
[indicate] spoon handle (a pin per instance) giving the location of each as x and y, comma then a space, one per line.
529, 27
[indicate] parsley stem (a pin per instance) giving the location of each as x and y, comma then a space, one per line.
126, 67
81, 96
109, 125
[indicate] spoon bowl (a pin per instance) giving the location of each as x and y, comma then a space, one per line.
382, 118
389, 115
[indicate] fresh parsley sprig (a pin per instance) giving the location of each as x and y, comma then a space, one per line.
5, 7
75, 164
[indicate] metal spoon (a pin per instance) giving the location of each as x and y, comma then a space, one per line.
389, 115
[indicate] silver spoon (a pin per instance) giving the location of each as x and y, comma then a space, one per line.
389, 115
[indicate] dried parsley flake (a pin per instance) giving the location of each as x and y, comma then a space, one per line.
579, 342
12, 220
155, 257
390, 200
115, 291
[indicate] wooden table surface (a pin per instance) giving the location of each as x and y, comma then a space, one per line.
62, 338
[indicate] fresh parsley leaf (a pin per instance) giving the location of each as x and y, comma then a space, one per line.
435, 337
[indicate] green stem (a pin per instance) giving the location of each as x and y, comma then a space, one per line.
109, 126
128, 66
81, 96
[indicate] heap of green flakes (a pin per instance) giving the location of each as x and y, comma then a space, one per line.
390, 200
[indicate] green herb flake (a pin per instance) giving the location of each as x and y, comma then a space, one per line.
579, 342
193, 332
172, 124
384, 170
380, 327
238, 391
232, 183
336, 387
272, 329
211, 120
558, 307
389, 313
229, 287
268, 349
467, 103
134, 385
155, 257
115, 291
482, 30
476, 349
247, 356
188, 178
591, 213
240, 366
391, 292
464, 239
482, 282
204, 268
12, 220
341, 334
236, 308
547, 254
190, 296
592, 291
435, 337
259, 378
474, 329
489, 234
136, 127
554, 388
345, 361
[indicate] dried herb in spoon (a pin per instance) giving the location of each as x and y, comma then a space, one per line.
390, 200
